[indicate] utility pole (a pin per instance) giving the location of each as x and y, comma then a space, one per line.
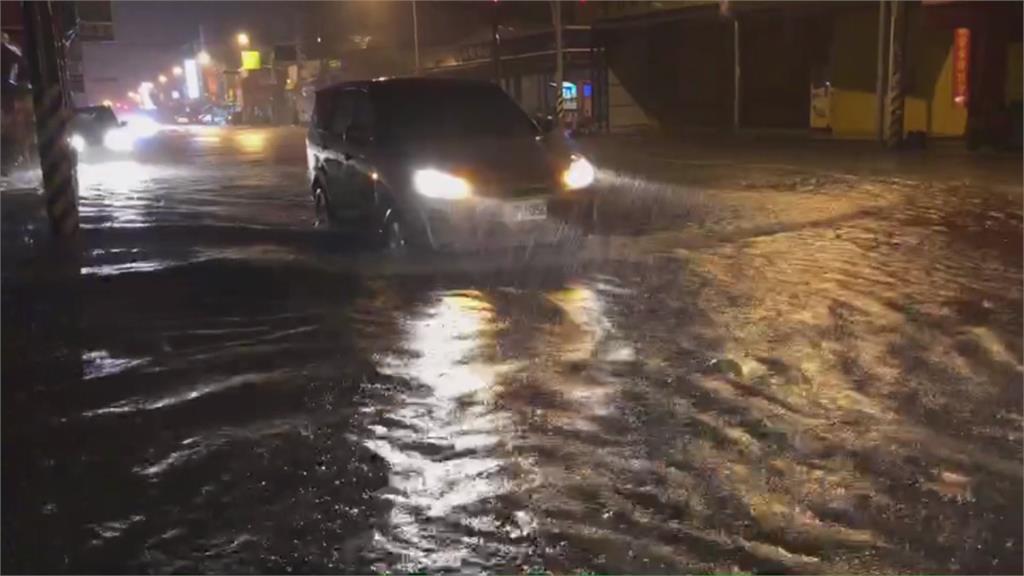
897, 43
880, 79
496, 44
736, 76
51, 101
556, 20
415, 38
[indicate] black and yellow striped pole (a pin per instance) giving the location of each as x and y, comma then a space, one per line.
556, 23
51, 101
897, 91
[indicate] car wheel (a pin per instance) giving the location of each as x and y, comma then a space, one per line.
394, 239
320, 207
395, 235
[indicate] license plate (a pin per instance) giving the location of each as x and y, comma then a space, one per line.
535, 210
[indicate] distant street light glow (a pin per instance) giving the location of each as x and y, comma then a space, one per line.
177, 71
243, 39
162, 79
191, 79
203, 58
145, 95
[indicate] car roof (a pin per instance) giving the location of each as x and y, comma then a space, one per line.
405, 83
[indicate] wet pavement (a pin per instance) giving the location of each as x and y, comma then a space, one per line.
757, 364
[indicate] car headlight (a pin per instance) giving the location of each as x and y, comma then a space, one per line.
436, 184
77, 142
118, 140
579, 174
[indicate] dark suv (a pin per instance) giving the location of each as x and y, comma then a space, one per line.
442, 163
91, 125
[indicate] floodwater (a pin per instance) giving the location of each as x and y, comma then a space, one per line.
779, 368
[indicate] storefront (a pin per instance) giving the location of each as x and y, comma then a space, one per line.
984, 66
526, 70
814, 65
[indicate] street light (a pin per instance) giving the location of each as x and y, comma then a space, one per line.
162, 79
177, 71
243, 40
203, 58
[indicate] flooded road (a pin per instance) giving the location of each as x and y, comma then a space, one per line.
769, 369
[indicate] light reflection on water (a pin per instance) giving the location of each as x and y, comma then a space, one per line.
99, 364
124, 268
251, 142
442, 443
119, 190
468, 478
115, 176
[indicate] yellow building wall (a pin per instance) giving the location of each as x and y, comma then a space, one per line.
947, 119
915, 115
929, 103
853, 113
852, 72
1014, 74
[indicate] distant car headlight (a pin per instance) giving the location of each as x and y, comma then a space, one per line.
119, 140
579, 174
78, 143
436, 184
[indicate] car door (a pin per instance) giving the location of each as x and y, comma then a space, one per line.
333, 160
316, 139
356, 179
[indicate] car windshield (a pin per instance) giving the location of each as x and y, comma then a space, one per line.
448, 112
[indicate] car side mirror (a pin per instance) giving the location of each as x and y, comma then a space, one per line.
358, 135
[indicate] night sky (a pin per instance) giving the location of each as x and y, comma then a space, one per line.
150, 37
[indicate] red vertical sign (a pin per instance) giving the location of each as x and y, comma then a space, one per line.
961, 65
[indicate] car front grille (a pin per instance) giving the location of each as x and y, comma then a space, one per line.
523, 191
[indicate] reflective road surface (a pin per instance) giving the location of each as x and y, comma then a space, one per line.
756, 365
